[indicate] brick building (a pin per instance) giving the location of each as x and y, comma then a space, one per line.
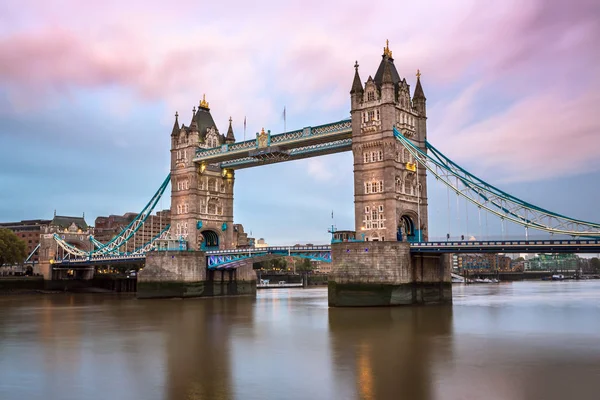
28, 231
108, 227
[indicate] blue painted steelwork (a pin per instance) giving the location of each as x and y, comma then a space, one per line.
218, 260
135, 224
508, 246
32, 253
224, 258
101, 260
292, 154
149, 245
294, 144
494, 200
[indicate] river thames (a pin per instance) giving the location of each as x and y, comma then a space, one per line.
522, 340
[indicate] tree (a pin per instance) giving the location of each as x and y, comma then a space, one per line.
306, 265
274, 264
12, 249
595, 264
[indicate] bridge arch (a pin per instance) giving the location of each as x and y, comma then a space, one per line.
406, 225
210, 240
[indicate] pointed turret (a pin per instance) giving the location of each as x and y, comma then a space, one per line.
176, 128
387, 75
419, 94
387, 63
204, 119
193, 124
419, 99
357, 87
230, 138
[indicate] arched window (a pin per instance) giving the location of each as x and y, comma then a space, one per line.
398, 184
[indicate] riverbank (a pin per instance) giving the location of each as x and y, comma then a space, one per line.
36, 285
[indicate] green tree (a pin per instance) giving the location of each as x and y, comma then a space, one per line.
268, 265
595, 264
305, 265
12, 249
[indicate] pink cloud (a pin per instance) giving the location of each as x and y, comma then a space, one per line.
542, 136
248, 60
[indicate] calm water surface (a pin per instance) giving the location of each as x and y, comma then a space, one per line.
526, 340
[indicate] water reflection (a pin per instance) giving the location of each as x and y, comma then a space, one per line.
513, 341
391, 351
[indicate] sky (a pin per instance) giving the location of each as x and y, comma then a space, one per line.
88, 93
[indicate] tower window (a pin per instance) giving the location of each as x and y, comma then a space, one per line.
371, 96
212, 185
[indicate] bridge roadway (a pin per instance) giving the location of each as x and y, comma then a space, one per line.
227, 259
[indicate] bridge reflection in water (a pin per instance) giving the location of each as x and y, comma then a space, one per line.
389, 352
527, 340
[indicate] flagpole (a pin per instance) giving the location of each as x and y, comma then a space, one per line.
284, 121
244, 128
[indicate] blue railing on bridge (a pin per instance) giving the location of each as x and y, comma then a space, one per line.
343, 126
231, 258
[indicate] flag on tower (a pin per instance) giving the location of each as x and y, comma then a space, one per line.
284, 127
331, 214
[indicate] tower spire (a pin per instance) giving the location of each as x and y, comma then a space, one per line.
194, 124
356, 84
387, 74
204, 103
176, 128
386, 50
230, 138
419, 94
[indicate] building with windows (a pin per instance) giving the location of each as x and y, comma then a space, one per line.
29, 231
108, 227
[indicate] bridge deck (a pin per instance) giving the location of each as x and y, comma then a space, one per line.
221, 259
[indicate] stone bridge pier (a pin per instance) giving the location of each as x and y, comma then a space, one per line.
387, 274
184, 274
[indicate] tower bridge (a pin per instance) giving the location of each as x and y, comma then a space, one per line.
387, 258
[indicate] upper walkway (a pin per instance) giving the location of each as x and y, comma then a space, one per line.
266, 148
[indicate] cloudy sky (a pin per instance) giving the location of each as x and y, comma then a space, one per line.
88, 91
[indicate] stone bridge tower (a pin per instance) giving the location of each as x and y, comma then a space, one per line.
390, 189
201, 195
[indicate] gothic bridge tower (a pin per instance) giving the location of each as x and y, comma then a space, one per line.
201, 195
390, 189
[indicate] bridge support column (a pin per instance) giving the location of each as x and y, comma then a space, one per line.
386, 274
184, 274
173, 274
